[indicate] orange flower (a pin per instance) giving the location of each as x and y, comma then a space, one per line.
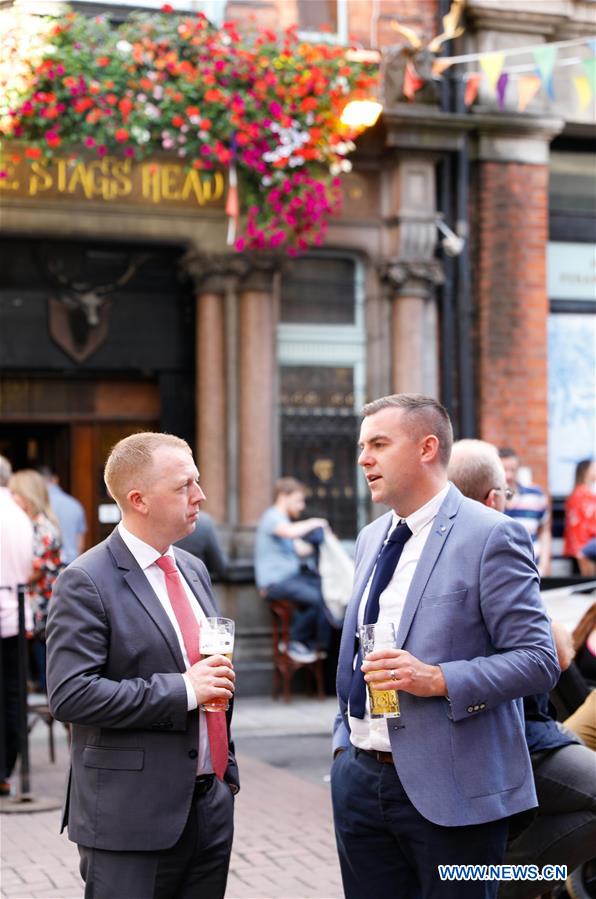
32, 152
112, 99
103, 61
125, 106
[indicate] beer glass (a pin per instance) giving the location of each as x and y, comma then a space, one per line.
216, 637
383, 703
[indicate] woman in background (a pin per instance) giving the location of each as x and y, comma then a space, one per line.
580, 517
29, 490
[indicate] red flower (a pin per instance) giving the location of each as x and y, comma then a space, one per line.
103, 61
33, 152
177, 121
167, 7
121, 135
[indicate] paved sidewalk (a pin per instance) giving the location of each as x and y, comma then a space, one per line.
284, 846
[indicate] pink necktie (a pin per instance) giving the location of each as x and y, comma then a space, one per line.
189, 626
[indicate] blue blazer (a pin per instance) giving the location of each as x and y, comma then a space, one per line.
473, 608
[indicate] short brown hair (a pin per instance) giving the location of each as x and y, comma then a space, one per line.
424, 415
131, 457
284, 486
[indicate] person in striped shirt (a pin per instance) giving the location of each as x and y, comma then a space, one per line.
530, 505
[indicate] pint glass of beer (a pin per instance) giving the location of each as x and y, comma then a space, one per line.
383, 703
216, 638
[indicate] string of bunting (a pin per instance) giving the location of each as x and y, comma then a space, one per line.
529, 77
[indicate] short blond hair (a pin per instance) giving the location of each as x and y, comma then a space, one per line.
131, 458
31, 487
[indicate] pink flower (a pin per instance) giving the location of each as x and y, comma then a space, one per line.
102, 150
89, 141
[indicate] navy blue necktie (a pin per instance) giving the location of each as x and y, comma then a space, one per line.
386, 563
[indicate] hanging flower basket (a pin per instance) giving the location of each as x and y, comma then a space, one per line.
262, 106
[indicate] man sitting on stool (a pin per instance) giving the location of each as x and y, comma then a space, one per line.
285, 568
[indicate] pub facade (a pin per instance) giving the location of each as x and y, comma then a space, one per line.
124, 308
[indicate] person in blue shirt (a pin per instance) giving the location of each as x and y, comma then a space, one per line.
285, 568
70, 515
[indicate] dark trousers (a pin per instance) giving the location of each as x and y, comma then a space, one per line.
564, 831
309, 622
196, 866
10, 703
386, 847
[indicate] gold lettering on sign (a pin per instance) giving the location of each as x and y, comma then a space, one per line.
110, 179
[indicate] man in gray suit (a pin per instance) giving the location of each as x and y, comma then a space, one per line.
152, 777
436, 785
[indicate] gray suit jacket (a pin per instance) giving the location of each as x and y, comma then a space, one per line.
114, 665
473, 608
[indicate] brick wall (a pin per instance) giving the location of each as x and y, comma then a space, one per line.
512, 305
420, 15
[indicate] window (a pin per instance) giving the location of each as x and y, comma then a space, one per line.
324, 20
319, 290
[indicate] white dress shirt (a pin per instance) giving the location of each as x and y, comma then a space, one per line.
372, 733
146, 556
16, 563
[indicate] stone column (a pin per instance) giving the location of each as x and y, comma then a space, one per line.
257, 389
414, 338
409, 272
210, 279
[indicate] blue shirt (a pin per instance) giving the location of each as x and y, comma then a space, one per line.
71, 518
542, 731
275, 557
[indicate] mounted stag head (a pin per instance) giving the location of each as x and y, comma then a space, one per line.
79, 315
411, 64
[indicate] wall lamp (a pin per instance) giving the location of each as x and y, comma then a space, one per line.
452, 243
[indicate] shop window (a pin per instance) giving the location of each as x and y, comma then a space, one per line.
325, 20
319, 290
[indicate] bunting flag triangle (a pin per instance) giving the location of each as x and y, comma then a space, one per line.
502, 89
440, 64
527, 88
492, 64
584, 92
412, 81
590, 70
472, 84
545, 57
232, 204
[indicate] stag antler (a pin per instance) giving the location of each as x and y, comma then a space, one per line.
88, 297
451, 25
409, 34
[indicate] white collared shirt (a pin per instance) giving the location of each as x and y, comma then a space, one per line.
372, 733
146, 556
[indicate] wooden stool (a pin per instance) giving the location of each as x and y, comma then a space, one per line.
284, 667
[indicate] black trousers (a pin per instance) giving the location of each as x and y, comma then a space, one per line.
10, 704
386, 848
196, 867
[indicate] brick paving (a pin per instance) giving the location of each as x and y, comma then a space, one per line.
283, 849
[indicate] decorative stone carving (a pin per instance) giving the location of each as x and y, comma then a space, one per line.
410, 277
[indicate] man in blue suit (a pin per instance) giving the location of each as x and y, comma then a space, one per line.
436, 785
